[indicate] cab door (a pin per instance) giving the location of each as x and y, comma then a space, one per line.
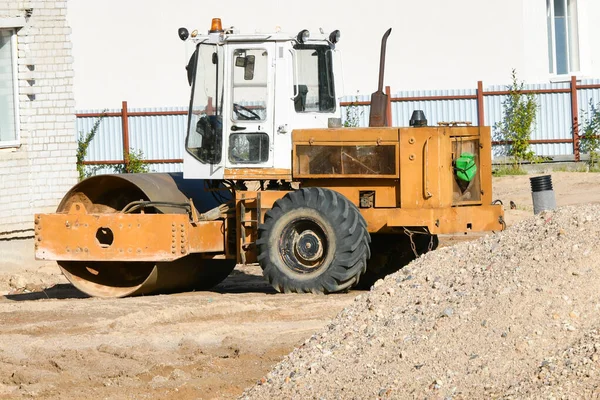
249, 129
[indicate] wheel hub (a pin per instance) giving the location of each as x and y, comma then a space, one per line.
308, 247
303, 246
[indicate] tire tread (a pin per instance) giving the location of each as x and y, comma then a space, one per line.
352, 238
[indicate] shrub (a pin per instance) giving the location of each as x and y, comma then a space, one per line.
83, 143
516, 126
134, 164
590, 135
353, 114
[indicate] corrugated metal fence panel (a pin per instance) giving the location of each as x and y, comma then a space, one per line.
158, 136
108, 142
553, 118
554, 121
584, 97
435, 110
166, 167
162, 137
356, 114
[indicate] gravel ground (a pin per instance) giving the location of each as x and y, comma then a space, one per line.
505, 317
512, 315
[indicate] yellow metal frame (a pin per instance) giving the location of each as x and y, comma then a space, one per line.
420, 194
249, 174
135, 237
423, 194
344, 137
437, 220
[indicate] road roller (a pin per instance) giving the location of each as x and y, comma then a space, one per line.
271, 177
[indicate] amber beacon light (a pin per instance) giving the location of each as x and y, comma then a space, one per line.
215, 25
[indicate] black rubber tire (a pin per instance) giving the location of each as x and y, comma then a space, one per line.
391, 252
313, 240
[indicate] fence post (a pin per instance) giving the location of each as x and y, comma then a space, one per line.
389, 118
125, 125
480, 108
575, 118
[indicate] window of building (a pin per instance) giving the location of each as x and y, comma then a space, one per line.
9, 135
563, 36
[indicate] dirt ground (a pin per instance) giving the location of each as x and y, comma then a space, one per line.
57, 344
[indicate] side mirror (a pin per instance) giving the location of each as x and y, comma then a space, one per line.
190, 67
249, 68
247, 63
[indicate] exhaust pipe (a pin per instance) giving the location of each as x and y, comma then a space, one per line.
378, 115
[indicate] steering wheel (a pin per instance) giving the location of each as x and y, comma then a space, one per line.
244, 113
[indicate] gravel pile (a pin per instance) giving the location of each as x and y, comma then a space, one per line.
571, 373
514, 315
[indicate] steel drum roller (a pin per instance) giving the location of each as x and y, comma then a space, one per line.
110, 194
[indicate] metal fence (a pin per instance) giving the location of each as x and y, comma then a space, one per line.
159, 133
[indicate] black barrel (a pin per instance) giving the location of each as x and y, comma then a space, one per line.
541, 183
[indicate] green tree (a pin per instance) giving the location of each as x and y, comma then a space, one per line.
83, 143
590, 134
519, 117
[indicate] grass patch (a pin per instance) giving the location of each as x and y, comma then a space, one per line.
578, 167
590, 168
506, 170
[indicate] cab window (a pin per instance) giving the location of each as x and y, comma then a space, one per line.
314, 89
205, 133
250, 67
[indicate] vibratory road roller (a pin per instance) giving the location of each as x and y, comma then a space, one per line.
271, 177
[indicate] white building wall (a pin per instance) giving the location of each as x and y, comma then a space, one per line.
589, 12
129, 50
36, 174
531, 45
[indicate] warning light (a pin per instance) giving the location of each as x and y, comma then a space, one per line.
215, 26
